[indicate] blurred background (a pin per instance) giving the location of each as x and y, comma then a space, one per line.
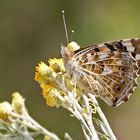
32, 31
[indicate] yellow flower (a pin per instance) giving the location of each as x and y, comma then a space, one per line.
38, 77
43, 69
46, 75
56, 65
43, 73
5, 109
17, 102
46, 88
53, 97
73, 46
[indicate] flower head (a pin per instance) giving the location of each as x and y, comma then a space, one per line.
52, 97
17, 103
47, 77
56, 65
73, 46
5, 110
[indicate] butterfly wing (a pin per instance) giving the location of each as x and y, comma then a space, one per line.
108, 70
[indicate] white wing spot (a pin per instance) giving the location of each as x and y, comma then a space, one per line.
137, 56
107, 70
102, 56
129, 46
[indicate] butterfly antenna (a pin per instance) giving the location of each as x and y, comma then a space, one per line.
65, 26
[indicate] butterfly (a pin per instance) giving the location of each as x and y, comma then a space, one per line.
108, 70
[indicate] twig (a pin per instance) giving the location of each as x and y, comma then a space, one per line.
31, 123
103, 118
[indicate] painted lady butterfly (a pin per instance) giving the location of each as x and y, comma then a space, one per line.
108, 70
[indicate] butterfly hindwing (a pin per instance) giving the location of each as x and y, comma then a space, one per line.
108, 70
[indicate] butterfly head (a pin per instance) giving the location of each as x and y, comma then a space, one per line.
67, 54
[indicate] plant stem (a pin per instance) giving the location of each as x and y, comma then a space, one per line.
103, 118
31, 123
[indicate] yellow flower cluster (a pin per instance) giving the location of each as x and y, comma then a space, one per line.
47, 76
56, 65
5, 109
16, 106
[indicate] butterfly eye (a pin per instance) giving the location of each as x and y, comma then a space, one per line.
122, 68
118, 88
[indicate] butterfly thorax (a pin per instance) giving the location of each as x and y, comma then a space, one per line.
67, 55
